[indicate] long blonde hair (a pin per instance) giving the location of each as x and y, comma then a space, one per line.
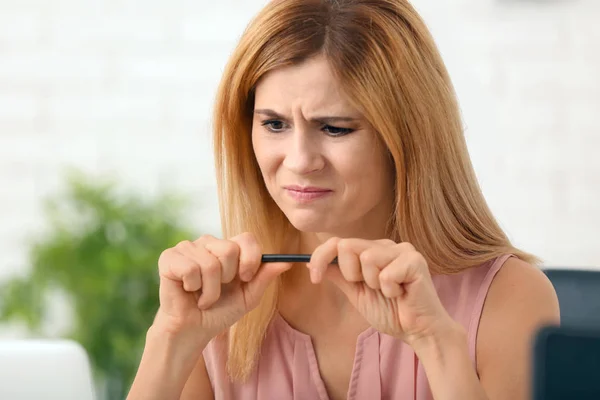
385, 58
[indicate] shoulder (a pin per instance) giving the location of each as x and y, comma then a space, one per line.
520, 300
520, 292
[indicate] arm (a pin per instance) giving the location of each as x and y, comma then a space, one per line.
171, 368
198, 385
449, 369
519, 303
520, 300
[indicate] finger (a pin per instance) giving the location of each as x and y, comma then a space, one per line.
348, 260
205, 239
386, 242
266, 274
392, 290
364, 266
385, 252
403, 271
321, 257
335, 276
249, 258
228, 253
175, 266
210, 270
197, 252
211, 282
370, 270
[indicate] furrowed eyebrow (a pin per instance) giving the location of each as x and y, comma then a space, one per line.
323, 120
268, 113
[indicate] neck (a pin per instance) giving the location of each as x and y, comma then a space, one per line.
307, 306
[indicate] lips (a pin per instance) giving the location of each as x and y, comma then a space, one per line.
305, 194
307, 189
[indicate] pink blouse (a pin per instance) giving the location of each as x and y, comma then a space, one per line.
384, 367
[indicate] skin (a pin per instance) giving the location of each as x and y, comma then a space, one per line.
208, 284
295, 145
306, 142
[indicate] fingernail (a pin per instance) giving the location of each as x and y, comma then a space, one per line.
314, 275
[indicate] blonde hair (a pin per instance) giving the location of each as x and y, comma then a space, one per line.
385, 58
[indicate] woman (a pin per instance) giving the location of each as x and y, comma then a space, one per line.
337, 134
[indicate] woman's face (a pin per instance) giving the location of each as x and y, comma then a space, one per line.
321, 161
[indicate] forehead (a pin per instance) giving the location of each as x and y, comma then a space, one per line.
309, 84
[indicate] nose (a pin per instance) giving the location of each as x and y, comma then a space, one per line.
303, 154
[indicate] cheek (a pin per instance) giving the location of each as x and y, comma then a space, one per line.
265, 156
368, 173
360, 160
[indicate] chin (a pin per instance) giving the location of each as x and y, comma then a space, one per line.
310, 221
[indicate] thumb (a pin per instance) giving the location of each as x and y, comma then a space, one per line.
265, 275
334, 275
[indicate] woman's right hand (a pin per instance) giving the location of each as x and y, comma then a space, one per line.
209, 284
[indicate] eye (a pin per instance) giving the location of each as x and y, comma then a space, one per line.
335, 131
274, 125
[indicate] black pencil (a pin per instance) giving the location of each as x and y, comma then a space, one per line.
301, 258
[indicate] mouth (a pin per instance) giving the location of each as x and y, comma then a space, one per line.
305, 194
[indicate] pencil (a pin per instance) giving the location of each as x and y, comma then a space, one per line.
301, 258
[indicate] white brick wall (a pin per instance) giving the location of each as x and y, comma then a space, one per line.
127, 86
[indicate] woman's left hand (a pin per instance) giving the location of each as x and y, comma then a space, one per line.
389, 284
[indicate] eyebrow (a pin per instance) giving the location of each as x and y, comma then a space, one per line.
325, 119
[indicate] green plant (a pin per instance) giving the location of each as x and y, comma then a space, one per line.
100, 250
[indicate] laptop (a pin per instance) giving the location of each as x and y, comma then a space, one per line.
44, 369
566, 363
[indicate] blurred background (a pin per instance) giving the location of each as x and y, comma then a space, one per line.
106, 157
